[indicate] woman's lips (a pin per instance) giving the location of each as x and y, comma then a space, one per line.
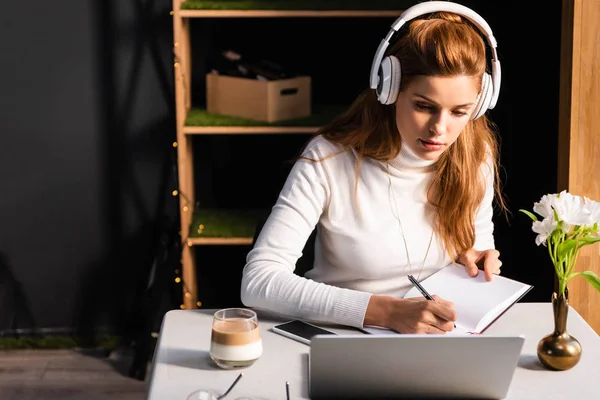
431, 145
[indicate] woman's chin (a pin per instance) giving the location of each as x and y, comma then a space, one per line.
429, 155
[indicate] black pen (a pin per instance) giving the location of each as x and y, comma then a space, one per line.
421, 289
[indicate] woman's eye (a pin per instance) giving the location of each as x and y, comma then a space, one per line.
429, 108
423, 106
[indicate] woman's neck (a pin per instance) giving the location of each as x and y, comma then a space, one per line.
407, 160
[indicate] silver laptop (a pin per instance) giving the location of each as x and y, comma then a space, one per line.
412, 366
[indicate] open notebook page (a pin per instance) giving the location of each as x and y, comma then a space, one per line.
477, 302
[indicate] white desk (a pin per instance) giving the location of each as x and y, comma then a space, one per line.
182, 364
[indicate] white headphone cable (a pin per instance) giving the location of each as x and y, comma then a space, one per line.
397, 216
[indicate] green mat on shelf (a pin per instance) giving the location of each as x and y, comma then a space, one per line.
225, 223
320, 116
295, 5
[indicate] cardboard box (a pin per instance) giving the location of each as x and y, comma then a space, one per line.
268, 101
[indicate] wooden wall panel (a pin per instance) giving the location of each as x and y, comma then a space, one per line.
579, 132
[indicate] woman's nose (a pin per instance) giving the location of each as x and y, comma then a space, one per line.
438, 125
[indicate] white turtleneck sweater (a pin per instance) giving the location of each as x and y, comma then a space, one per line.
359, 250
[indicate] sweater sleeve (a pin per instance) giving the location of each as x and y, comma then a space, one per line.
268, 279
484, 226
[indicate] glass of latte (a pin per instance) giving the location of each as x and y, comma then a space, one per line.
235, 340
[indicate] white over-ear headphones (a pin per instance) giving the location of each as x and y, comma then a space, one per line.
386, 72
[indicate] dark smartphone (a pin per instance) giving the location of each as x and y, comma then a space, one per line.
300, 330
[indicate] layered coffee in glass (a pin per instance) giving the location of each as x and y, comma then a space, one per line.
235, 339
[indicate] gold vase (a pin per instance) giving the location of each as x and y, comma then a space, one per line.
559, 350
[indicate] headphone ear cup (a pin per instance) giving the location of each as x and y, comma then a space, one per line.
485, 97
389, 80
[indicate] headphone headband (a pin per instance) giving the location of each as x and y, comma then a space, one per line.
428, 7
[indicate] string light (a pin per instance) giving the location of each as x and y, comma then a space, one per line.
181, 75
180, 67
187, 241
186, 292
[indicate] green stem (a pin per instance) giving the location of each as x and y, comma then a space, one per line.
573, 261
562, 284
558, 264
550, 251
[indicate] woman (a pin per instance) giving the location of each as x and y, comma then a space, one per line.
392, 190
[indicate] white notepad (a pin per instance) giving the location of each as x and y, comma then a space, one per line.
477, 302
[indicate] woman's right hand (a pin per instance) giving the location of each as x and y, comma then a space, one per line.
413, 315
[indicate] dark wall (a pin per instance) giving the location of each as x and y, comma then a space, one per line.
87, 126
87, 116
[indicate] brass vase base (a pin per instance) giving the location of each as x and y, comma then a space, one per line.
559, 350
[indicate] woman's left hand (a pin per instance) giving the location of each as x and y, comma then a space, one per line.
486, 260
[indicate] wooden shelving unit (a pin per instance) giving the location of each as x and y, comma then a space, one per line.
284, 13
191, 121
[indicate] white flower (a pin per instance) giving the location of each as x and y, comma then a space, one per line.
571, 210
570, 220
594, 209
544, 206
544, 229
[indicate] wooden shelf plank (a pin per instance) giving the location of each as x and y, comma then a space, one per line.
200, 122
194, 241
248, 130
291, 8
287, 13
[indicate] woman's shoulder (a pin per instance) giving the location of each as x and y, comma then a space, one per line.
321, 147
